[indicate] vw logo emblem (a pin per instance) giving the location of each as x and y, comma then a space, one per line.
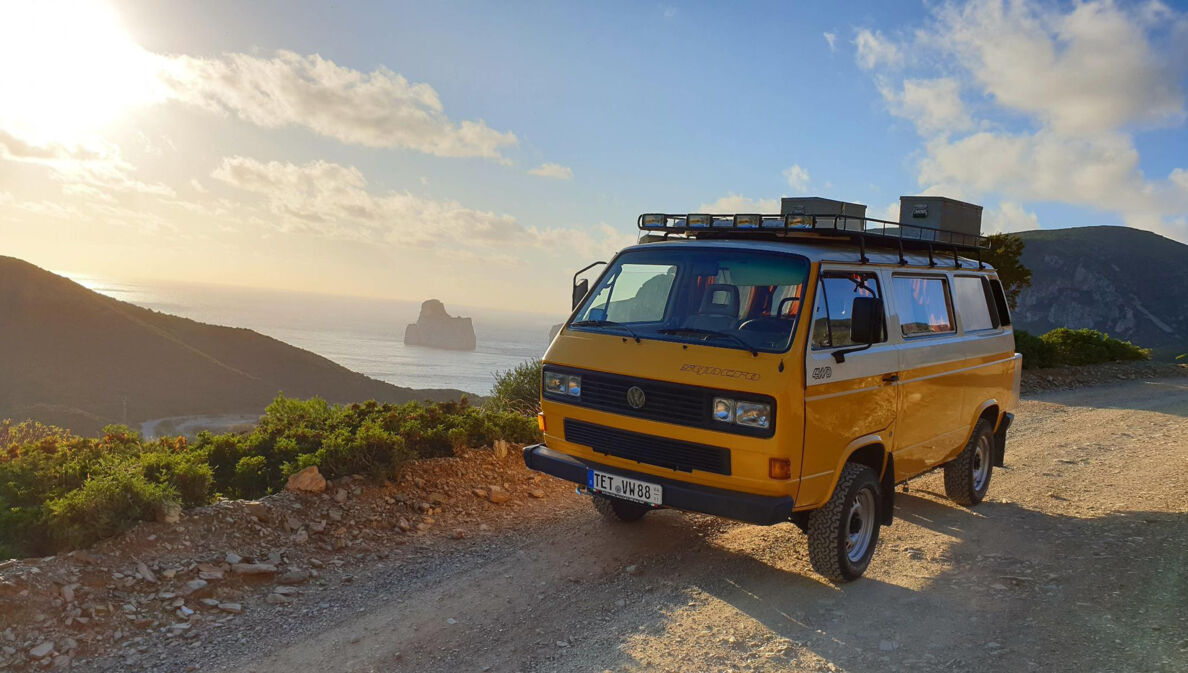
636, 397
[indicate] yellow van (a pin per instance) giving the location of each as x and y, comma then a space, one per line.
792, 367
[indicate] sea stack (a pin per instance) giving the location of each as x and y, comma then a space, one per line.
437, 329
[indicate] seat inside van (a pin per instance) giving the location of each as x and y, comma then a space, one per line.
718, 311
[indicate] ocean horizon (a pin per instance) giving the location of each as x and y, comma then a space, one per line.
363, 334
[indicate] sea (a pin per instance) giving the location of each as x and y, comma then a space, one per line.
363, 334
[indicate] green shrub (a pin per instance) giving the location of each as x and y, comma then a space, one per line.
1037, 353
1089, 346
518, 389
187, 473
105, 504
251, 477
59, 491
1067, 347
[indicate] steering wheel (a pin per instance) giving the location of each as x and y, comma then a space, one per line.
764, 324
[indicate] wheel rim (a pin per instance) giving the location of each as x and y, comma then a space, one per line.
981, 463
861, 524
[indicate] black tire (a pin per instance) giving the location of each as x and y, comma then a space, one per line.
616, 509
832, 541
967, 477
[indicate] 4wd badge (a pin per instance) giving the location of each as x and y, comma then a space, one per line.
636, 397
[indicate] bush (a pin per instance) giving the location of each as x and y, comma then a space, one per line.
251, 477
106, 504
1037, 353
187, 473
518, 389
1067, 347
59, 491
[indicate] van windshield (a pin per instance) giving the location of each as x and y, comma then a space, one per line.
727, 298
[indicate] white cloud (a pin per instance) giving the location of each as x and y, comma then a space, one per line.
797, 177
933, 105
333, 201
376, 109
889, 212
15, 148
831, 38
1073, 85
1009, 217
1091, 69
873, 50
555, 171
734, 203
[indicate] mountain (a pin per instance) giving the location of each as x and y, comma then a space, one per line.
76, 358
1129, 283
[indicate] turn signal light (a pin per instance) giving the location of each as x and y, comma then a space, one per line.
779, 468
540, 421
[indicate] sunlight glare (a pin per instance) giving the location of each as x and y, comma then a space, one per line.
68, 68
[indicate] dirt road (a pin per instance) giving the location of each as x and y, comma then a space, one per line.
1077, 561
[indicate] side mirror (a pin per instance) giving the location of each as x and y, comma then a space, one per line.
580, 289
866, 320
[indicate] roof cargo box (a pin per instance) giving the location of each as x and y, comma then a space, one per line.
847, 216
942, 214
815, 205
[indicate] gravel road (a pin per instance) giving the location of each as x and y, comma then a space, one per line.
1077, 561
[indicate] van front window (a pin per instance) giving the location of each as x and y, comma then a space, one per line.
726, 298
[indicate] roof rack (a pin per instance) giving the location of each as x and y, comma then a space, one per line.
863, 230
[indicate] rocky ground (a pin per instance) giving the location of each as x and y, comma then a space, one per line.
1068, 378
1075, 562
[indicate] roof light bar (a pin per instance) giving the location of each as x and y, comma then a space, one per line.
705, 224
748, 221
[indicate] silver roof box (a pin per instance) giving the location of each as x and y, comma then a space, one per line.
941, 213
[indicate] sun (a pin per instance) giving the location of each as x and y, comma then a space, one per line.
68, 69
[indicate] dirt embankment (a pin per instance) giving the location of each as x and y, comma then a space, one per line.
1075, 562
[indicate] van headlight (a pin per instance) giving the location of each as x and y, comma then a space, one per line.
752, 414
562, 384
748, 414
723, 410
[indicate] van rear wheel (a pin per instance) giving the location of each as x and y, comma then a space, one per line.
616, 509
842, 535
967, 477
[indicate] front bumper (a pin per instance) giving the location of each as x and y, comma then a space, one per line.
758, 509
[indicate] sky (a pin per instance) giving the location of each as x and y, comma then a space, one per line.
481, 153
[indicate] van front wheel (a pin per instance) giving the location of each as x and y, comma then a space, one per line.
619, 510
842, 535
967, 477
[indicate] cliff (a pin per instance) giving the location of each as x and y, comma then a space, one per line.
75, 358
1126, 282
437, 329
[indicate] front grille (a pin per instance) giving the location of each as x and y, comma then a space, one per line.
665, 402
658, 451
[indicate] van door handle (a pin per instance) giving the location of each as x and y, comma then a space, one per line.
890, 378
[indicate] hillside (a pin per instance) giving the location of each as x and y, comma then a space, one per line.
73, 357
1130, 283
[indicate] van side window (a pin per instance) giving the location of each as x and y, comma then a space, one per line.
923, 305
971, 294
1000, 302
835, 297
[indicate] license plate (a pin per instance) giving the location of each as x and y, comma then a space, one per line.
622, 487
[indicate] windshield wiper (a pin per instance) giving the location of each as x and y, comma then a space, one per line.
696, 331
605, 323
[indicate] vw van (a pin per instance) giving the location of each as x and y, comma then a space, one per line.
785, 368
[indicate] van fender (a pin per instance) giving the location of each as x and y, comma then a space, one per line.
977, 415
994, 424
884, 470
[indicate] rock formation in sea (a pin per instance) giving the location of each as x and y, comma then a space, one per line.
437, 329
